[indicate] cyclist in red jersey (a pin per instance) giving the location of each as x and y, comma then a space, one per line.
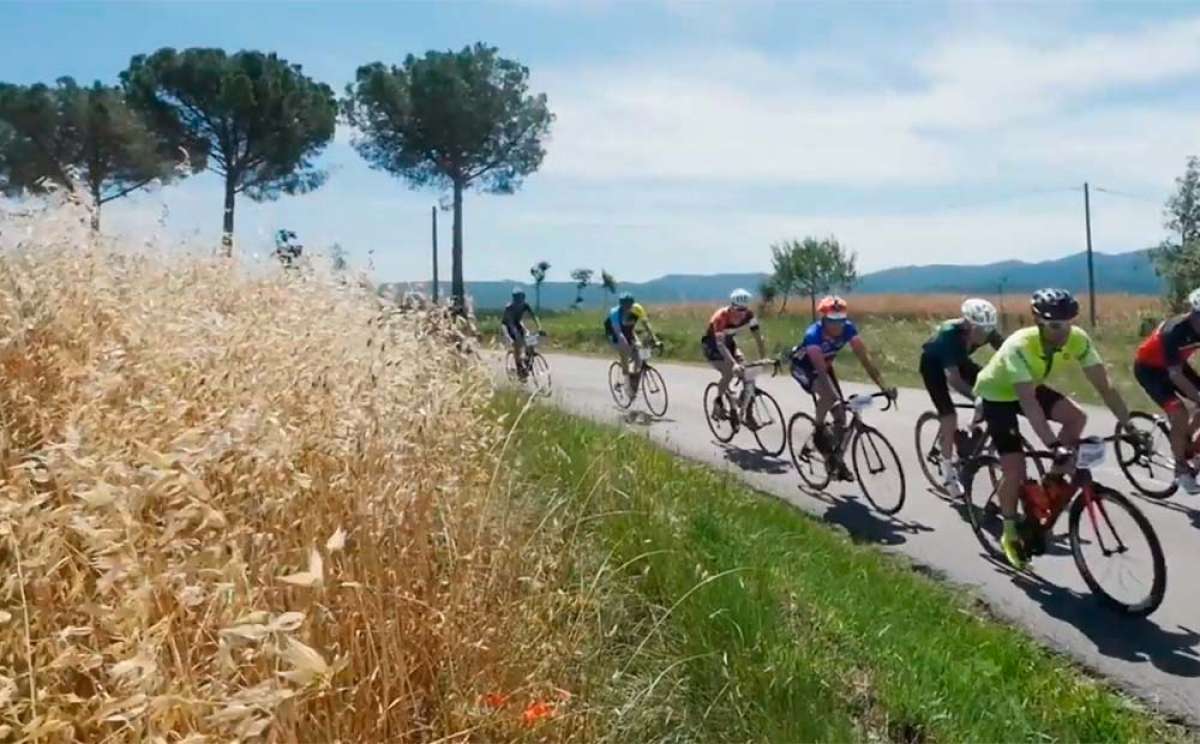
719, 346
1162, 369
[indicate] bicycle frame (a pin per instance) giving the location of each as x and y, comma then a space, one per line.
1083, 485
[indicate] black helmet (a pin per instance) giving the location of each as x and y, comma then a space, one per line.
626, 298
1054, 304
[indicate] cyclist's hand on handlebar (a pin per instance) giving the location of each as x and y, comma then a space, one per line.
891, 393
738, 370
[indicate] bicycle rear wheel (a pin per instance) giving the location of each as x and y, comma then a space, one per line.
875, 461
618, 386
809, 462
1120, 557
539, 372
722, 428
1151, 471
654, 390
766, 421
927, 437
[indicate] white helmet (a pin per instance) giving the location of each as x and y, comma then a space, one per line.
1194, 300
739, 298
981, 312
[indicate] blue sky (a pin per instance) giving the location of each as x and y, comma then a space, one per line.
690, 135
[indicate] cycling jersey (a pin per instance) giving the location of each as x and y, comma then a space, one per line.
628, 320
1023, 358
729, 320
950, 345
829, 345
514, 313
1170, 345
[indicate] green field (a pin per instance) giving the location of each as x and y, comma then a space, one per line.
720, 614
895, 342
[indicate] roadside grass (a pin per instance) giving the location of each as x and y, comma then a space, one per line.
762, 624
894, 327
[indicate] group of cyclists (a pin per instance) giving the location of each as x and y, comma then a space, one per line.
1010, 385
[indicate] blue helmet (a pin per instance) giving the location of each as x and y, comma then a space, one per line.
518, 293
625, 298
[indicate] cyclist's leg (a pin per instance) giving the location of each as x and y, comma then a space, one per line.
1157, 384
824, 396
1001, 421
934, 377
1064, 411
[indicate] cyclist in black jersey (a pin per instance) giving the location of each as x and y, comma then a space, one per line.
514, 328
946, 362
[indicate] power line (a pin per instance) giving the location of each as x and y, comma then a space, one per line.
1126, 195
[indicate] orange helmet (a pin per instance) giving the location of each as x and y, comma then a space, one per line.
832, 307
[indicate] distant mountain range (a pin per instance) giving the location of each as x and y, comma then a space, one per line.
1130, 273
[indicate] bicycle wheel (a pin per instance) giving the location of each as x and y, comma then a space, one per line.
654, 390
766, 421
510, 366
809, 462
1122, 551
1152, 471
927, 436
539, 372
982, 502
874, 460
617, 386
721, 428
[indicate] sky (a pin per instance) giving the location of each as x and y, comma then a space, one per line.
689, 136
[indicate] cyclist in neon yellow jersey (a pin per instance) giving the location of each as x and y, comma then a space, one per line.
1011, 384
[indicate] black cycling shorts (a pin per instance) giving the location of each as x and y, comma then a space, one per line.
1002, 423
934, 376
709, 345
1156, 381
515, 331
806, 375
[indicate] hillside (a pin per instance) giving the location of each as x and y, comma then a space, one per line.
1130, 273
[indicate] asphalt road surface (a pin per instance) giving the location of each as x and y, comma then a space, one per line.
1156, 658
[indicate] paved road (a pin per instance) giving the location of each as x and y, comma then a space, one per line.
1157, 658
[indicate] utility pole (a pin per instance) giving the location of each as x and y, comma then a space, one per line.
433, 213
1087, 218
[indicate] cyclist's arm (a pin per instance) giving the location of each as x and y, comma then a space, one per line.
816, 357
864, 357
536, 320
723, 347
762, 344
1027, 394
1182, 383
955, 378
650, 330
1098, 376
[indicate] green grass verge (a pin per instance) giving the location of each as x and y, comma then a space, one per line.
895, 343
747, 620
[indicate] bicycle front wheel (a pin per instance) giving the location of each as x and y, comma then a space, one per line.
1151, 471
654, 390
981, 499
878, 470
539, 371
766, 421
618, 386
927, 437
510, 367
722, 428
1117, 552
809, 461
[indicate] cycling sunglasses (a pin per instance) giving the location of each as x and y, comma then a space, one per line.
1057, 326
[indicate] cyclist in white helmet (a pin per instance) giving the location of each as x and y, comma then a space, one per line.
946, 363
719, 346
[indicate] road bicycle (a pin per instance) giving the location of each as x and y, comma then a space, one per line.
1115, 548
644, 377
754, 408
1148, 461
535, 369
969, 443
819, 457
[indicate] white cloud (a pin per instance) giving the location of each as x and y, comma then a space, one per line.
736, 115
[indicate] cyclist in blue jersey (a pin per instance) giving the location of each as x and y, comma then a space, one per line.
620, 327
812, 366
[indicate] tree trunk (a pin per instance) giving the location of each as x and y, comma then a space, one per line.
783, 306
96, 208
227, 224
537, 295
456, 254
812, 296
